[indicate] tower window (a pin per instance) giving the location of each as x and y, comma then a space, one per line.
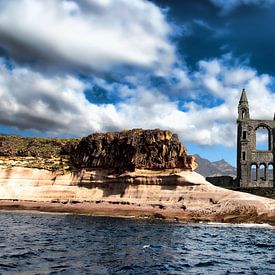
243, 155
244, 134
243, 114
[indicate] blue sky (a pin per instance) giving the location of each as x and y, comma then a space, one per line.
73, 67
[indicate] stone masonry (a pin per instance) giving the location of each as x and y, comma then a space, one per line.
254, 167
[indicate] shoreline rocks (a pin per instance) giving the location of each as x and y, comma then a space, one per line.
183, 196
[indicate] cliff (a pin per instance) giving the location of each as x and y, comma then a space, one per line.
130, 150
121, 151
140, 173
185, 195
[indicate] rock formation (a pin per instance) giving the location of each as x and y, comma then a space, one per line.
128, 150
141, 173
185, 196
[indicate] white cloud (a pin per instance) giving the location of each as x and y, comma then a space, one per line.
53, 104
229, 5
57, 104
101, 35
92, 34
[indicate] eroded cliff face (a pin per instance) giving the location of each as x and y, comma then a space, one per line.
130, 150
144, 193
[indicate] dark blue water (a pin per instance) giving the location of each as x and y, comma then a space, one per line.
33, 243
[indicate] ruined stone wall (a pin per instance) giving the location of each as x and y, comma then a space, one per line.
223, 181
248, 155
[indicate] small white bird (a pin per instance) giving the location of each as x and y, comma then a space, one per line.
146, 246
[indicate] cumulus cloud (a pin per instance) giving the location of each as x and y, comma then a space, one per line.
58, 105
230, 5
102, 35
91, 34
197, 121
53, 104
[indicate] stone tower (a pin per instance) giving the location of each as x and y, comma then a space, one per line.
254, 167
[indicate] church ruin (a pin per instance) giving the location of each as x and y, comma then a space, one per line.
254, 165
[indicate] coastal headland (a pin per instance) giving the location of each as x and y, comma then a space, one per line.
137, 173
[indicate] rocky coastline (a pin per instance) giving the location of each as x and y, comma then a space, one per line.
181, 195
137, 173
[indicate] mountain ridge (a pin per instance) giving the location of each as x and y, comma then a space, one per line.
213, 169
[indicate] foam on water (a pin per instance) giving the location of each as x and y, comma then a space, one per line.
248, 225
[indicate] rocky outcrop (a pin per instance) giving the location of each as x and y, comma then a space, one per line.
121, 151
184, 195
129, 150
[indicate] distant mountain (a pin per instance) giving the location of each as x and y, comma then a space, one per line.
215, 168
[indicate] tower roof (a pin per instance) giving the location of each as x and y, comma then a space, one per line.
243, 97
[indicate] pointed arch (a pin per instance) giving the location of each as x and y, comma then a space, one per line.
270, 171
254, 172
262, 171
263, 138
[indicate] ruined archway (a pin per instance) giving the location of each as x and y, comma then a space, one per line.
262, 138
270, 171
254, 172
255, 148
262, 172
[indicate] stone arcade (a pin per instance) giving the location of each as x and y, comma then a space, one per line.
254, 166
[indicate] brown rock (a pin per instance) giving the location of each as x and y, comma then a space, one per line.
128, 150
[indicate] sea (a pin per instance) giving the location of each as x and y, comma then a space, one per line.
41, 243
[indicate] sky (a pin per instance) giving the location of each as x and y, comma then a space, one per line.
69, 68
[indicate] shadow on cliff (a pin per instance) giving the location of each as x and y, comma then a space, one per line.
98, 179
173, 182
117, 185
108, 189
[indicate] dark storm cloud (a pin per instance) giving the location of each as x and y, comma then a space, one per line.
247, 31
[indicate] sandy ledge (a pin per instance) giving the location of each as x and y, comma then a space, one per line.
173, 195
133, 211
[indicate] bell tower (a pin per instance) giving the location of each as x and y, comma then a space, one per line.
243, 137
243, 108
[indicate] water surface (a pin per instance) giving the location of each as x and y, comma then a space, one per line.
34, 243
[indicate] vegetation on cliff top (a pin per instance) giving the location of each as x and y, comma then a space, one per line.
33, 152
122, 151
12, 146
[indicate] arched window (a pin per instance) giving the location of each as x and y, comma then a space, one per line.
243, 113
262, 138
270, 171
254, 172
262, 171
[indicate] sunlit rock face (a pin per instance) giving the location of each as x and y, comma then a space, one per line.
128, 150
